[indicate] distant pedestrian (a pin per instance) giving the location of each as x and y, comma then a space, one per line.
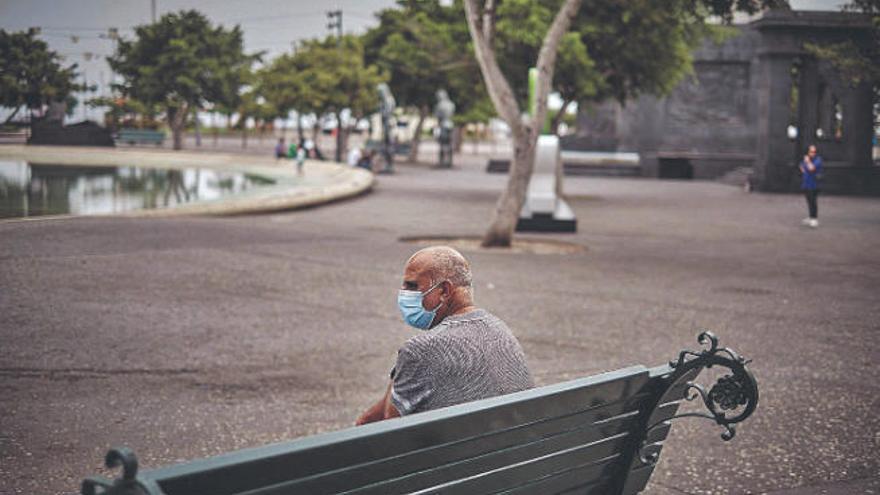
354, 156
309, 145
300, 160
317, 153
366, 159
279, 149
811, 169
291, 151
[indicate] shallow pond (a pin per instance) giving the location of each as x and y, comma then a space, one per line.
31, 190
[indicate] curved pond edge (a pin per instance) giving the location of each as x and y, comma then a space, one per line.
322, 182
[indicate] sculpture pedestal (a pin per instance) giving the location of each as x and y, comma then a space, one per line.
544, 210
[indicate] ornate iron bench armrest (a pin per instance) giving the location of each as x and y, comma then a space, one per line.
731, 400
128, 484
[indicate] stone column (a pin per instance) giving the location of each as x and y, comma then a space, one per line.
858, 125
775, 162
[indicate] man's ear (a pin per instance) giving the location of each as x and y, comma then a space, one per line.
447, 288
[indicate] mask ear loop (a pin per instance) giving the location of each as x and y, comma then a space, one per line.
441, 300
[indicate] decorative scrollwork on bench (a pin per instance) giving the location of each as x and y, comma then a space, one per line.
129, 484
731, 399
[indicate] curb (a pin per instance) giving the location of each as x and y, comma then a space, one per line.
321, 183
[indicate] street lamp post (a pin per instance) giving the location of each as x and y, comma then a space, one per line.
335, 22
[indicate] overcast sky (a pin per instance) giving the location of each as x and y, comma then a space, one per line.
74, 28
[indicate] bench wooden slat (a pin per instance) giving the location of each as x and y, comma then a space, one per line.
572, 480
268, 466
499, 459
340, 481
534, 469
601, 419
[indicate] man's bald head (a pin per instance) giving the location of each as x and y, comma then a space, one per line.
443, 276
444, 263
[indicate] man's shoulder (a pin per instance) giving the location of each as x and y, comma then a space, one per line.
471, 317
449, 329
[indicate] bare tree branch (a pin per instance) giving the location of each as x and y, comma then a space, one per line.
547, 56
498, 88
489, 22
557, 119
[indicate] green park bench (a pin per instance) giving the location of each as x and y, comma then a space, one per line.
140, 136
597, 435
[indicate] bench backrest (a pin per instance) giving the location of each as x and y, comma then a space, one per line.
585, 435
141, 135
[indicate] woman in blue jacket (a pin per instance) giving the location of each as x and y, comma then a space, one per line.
811, 167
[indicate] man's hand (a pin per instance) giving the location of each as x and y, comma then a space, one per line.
383, 409
367, 416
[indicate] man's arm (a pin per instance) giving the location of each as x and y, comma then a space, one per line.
381, 410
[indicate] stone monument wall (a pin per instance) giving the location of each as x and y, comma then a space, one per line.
734, 111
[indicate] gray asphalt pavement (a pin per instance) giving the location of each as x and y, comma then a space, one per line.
188, 337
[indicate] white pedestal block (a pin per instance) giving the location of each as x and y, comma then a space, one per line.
544, 210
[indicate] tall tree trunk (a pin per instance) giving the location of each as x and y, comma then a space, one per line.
457, 138
299, 127
198, 127
214, 129
177, 121
316, 133
507, 209
417, 138
339, 138
525, 134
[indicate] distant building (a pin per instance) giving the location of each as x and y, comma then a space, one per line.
755, 101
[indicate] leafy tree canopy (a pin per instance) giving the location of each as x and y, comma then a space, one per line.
182, 58
322, 77
616, 48
31, 75
183, 62
282, 83
330, 75
424, 46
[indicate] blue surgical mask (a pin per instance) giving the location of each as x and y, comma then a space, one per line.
414, 314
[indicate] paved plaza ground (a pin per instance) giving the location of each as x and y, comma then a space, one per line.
188, 337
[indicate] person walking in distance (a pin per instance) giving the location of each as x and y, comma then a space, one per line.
300, 159
811, 168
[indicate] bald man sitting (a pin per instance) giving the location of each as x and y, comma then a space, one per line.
461, 353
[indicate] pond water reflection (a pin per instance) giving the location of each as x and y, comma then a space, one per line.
30, 190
